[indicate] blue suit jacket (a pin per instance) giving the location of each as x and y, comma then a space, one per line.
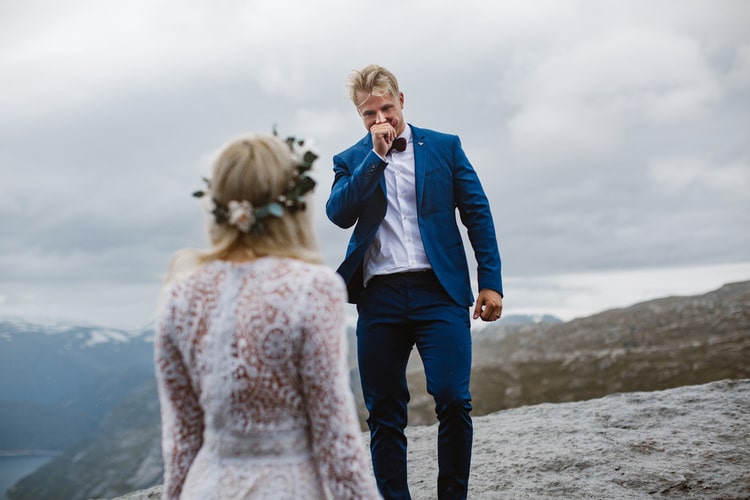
445, 181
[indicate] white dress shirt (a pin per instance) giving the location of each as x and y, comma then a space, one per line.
397, 246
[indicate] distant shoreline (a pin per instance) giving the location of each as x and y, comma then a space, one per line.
29, 453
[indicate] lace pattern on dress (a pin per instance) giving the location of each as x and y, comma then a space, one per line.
264, 445
251, 369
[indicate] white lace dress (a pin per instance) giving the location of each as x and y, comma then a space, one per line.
254, 385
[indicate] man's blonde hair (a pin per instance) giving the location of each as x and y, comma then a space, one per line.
374, 80
256, 168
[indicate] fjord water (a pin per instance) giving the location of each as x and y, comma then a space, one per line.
15, 468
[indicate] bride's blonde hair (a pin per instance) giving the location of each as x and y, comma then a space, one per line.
257, 168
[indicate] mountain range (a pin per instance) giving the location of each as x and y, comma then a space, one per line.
58, 381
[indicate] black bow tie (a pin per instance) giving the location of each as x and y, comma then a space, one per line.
398, 144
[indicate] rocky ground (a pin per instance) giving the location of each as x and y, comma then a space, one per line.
691, 442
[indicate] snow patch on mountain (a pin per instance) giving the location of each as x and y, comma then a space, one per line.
83, 335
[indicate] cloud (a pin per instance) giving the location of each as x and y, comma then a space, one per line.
572, 295
609, 136
582, 101
677, 175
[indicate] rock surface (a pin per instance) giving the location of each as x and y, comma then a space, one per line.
691, 442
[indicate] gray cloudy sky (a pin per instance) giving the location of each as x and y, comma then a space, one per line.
611, 136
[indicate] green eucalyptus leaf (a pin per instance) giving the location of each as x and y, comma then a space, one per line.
305, 184
258, 227
275, 209
308, 160
261, 212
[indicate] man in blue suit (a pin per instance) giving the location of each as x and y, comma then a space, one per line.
406, 270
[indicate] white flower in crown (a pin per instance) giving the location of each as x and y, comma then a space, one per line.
241, 215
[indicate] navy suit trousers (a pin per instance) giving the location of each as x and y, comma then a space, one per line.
397, 312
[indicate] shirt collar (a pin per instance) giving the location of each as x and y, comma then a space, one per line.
406, 134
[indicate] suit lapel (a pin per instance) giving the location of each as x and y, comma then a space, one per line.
420, 162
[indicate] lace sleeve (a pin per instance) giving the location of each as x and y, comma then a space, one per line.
337, 439
181, 414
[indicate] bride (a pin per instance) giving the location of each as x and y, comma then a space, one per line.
250, 348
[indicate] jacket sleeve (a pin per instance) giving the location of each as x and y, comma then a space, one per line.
181, 413
337, 441
352, 187
474, 210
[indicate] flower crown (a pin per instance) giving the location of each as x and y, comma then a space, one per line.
247, 218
